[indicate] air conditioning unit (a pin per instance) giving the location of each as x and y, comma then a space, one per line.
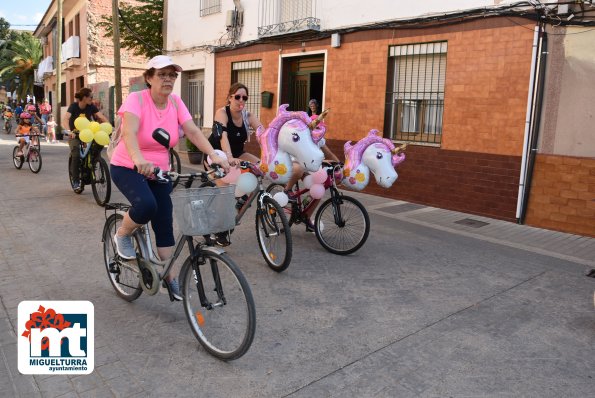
230, 18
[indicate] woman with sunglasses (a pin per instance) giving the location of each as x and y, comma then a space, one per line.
232, 122
230, 133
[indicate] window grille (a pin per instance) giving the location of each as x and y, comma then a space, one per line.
415, 92
249, 73
208, 7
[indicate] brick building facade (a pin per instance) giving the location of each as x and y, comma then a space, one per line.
476, 166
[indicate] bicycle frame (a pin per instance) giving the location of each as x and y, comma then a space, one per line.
331, 185
146, 249
259, 192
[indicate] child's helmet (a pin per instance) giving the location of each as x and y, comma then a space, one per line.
25, 115
8, 108
31, 108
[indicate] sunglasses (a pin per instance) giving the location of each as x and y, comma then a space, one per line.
238, 96
170, 75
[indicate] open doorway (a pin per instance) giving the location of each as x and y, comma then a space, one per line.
302, 80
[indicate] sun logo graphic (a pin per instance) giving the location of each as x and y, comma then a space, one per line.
56, 337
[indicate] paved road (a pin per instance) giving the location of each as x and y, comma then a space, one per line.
436, 304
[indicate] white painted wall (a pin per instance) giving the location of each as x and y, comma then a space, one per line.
186, 28
187, 31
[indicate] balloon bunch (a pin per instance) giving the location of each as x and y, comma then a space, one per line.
315, 182
245, 181
89, 131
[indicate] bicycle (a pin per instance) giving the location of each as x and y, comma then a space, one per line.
341, 224
31, 153
7, 124
272, 227
217, 299
93, 171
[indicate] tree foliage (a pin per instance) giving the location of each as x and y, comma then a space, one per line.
20, 55
140, 27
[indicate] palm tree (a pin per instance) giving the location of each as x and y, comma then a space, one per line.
22, 58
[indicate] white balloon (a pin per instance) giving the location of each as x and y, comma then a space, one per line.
238, 192
281, 198
247, 182
308, 181
219, 153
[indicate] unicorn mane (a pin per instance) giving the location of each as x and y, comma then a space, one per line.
268, 138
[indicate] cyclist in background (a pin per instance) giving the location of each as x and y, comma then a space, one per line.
24, 128
82, 106
7, 115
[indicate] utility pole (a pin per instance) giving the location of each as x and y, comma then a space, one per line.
117, 65
58, 63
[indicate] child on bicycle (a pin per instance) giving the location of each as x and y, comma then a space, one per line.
24, 130
7, 116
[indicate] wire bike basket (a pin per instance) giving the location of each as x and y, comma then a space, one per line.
204, 211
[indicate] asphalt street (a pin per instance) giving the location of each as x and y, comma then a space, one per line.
429, 307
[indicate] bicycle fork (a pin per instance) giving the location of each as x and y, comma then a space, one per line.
197, 261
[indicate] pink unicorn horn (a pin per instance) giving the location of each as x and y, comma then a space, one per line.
312, 125
399, 149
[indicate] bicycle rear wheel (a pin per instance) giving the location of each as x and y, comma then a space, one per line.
17, 160
342, 225
123, 275
101, 182
34, 159
175, 164
219, 305
273, 235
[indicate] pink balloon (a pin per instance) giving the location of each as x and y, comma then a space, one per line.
317, 191
232, 176
319, 176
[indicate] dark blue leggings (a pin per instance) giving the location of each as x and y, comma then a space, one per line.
150, 201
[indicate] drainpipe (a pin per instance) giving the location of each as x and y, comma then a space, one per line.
534, 133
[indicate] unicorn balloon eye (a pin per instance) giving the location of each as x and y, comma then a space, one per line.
295, 137
378, 155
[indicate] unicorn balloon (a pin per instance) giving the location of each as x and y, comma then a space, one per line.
289, 133
371, 153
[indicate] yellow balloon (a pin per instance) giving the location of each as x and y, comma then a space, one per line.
101, 138
81, 123
107, 127
86, 135
94, 127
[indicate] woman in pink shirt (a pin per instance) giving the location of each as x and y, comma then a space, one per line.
142, 113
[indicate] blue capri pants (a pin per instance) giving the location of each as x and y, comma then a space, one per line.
150, 201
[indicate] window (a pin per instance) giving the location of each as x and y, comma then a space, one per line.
80, 83
208, 7
249, 73
63, 94
77, 25
415, 92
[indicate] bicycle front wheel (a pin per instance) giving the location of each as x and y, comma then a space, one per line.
34, 159
342, 225
101, 183
71, 178
17, 160
123, 275
219, 305
273, 235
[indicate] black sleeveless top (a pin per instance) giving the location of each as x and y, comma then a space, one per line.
236, 136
